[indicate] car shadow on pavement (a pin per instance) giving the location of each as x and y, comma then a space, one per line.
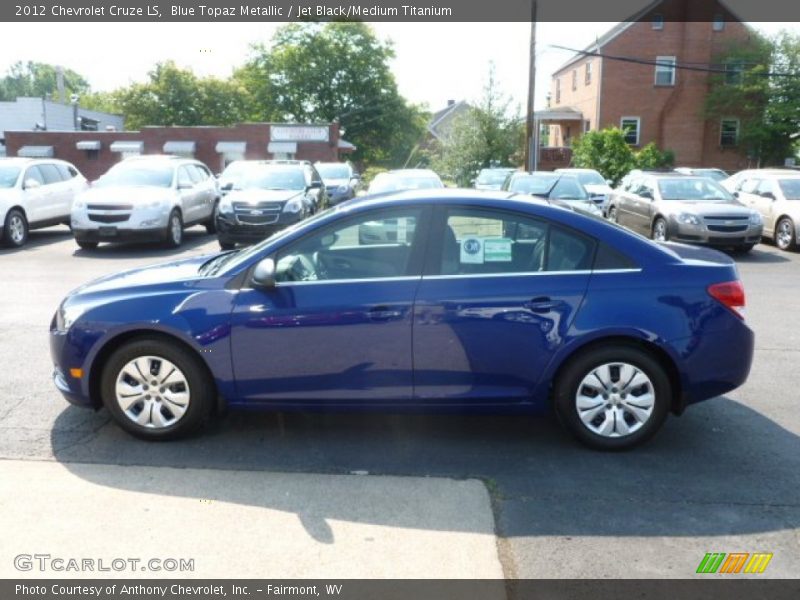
40, 237
192, 238
720, 469
757, 255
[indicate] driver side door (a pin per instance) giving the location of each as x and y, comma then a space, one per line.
336, 328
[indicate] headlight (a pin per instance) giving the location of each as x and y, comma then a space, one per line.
343, 189
79, 204
755, 219
225, 207
295, 205
688, 219
66, 317
153, 204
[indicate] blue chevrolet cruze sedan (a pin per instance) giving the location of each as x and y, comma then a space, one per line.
444, 300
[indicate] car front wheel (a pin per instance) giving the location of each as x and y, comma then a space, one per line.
785, 238
15, 229
613, 398
660, 231
157, 390
612, 214
174, 230
211, 224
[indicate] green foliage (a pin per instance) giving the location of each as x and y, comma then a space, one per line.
650, 157
763, 92
605, 151
487, 135
338, 71
39, 80
369, 174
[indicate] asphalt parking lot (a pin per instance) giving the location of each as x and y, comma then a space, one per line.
724, 477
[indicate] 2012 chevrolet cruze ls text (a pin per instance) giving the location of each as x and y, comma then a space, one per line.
472, 301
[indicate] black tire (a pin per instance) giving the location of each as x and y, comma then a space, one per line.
15, 229
174, 234
789, 241
660, 222
227, 245
211, 224
582, 365
612, 214
202, 391
85, 245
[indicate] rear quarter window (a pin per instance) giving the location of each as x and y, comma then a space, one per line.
609, 259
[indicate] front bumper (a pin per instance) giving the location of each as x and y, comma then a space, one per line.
336, 197
116, 234
231, 231
700, 234
74, 389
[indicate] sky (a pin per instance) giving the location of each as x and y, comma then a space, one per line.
435, 62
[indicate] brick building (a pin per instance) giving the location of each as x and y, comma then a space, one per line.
93, 152
652, 101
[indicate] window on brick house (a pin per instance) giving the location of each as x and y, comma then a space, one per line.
733, 73
665, 70
658, 22
728, 132
574, 79
630, 127
588, 78
719, 23
558, 90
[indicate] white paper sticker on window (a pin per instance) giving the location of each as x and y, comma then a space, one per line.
472, 251
497, 250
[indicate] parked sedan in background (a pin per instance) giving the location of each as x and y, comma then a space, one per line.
267, 197
593, 182
233, 171
35, 193
404, 179
565, 189
685, 209
492, 179
340, 181
776, 196
496, 304
717, 175
146, 198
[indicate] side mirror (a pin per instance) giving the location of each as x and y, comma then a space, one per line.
610, 182
735, 194
31, 184
227, 187
264, 274
769, 195
315, 185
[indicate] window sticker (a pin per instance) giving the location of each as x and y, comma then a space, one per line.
497, 250
472, 251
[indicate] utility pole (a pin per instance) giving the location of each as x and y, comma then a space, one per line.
531, 150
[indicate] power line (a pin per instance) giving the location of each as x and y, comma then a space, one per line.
676, 65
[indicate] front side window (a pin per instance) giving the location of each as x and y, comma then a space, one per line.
185, 179
33, 173
665, 70
482, 242
50, 173
372, 246
729, 132
630, 127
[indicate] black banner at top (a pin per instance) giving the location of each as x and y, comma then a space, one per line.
396, 10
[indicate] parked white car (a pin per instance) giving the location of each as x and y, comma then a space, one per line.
149, 198
598, 188
775, 194
35, 193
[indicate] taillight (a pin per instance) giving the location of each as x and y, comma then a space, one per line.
731, 294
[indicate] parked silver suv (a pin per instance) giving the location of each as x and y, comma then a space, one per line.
685, 208
146, 198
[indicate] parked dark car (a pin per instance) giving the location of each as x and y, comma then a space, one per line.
341, 182
495, 304
566, 189
492, 179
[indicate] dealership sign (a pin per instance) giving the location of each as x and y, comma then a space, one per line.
299, 133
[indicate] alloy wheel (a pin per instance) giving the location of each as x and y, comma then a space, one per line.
615, 399
16, 229
783, 237
152, 392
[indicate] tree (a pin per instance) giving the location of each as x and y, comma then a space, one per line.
760, 87
489, 134
175, 96
39, 80
607, 152
336, 71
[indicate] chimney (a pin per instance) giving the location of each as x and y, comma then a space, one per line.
450, 103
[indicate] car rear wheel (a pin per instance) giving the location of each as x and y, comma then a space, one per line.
612, 214
157, 390
785, 238
15, 229
174, 230
660, 231
86, 245
613, 398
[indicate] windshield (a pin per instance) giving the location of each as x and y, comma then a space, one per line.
790, 188
137, 175
533, 184
235, 169
695, 188
568, 188
492, 176
712, 174
589, 178
334, 171
272, 179
8, 176
394, 183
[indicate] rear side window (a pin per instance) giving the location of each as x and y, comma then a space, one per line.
50, 173
67, 171
609, 259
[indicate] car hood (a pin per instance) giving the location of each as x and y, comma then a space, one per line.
124, 194
153, 275
705, 207
336, 182
599, 189
256, 196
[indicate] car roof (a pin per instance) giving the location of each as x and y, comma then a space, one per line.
409, 172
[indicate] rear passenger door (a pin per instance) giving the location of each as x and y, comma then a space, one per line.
187, 189
35, 192
498, 294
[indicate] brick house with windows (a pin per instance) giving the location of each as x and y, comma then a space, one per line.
648, 95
